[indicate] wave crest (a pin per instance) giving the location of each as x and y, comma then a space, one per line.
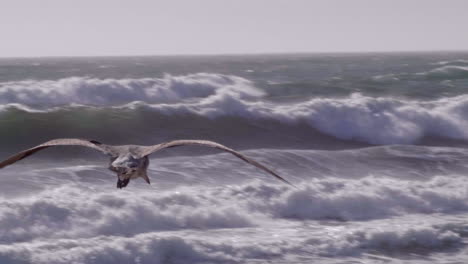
106, 92
450, 72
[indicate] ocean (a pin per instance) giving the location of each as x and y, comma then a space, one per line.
376, 144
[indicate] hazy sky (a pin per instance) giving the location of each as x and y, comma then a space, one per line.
133, 27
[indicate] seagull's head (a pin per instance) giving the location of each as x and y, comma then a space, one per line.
129, 167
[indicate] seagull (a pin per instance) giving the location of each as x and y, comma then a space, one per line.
131, 161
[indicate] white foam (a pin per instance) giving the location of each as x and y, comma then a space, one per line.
384, 236
78, 224
289, 243
71, 211
385, 120
367, 198
139, 249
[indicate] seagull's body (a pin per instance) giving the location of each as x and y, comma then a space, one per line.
130, 161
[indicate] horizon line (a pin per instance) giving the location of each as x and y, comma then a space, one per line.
236, 54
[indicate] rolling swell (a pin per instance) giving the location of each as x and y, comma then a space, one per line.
144, 125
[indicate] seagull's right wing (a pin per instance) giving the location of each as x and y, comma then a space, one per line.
145, 151
58, 142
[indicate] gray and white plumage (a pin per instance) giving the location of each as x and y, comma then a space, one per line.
131, 161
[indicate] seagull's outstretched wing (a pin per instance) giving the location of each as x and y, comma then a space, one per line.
176, 143
57, 142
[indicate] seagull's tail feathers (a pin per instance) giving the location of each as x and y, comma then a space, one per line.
145, 177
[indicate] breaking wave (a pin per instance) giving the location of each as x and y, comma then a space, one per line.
451, 72
356, 118
459, 62
148, 102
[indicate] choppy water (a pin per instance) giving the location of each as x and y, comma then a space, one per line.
374, 142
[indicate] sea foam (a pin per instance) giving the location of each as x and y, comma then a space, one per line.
235, 223
73, 211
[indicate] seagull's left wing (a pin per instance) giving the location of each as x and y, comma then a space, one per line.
58, 142
145, 151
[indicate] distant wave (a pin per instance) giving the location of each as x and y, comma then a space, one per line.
106, 92
460, 62
80, 223
446, 72
449, 72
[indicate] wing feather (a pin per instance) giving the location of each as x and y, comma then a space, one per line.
176, 143
57, 142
